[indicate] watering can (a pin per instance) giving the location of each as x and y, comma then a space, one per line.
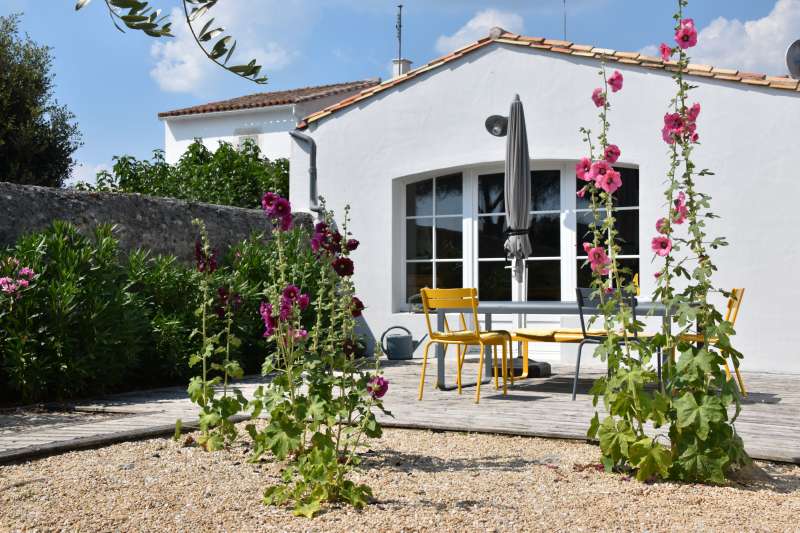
399, 346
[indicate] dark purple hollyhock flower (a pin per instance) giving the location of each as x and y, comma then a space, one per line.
269, 321
291, 292
268, 202
302, 301
343, 266
356, 307
349, 347
378, 386
352, 244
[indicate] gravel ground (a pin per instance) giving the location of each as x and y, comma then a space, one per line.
423, 481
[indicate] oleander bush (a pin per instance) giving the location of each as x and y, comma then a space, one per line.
229, 175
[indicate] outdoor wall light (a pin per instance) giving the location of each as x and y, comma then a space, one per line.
497, 125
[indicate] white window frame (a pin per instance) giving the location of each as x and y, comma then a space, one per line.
567, 216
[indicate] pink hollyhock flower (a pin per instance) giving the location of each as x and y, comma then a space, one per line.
661, 225
299, 334
303, 301
582, 169
598, 170
674, 122
681, 211
377, 386
662, 246
666, 52
688, 23
610, 181
686, 36
615, 81
269, 321
599, 97
586, 247
667, 135
352, 244
598, 259
612, 153
343, 266
356, 307
268, 201
581, 193
693, 112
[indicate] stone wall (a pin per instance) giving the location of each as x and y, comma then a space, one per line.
160, 224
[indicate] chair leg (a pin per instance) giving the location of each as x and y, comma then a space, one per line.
459, 364
480, 375
740, 380
727, 371
424, 365
577, 371
444, 355
505, 368
495, 367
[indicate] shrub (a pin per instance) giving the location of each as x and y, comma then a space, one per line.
227, 176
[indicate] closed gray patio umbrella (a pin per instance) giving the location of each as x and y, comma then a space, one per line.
517, 190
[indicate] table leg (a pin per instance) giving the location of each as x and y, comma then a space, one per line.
441, 382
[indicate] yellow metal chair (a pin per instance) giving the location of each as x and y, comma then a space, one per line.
444, 299
731, 314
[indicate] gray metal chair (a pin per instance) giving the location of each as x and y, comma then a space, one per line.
589, 303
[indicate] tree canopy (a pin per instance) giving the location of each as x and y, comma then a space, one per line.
37, 135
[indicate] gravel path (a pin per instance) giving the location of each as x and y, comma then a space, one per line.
423, 481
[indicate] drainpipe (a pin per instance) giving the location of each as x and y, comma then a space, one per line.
312, 167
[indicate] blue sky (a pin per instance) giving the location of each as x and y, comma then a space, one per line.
117, 83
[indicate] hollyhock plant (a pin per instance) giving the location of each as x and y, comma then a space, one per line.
583, 168
681, 210
343, 266
278, 209
598, 170
666, 52
599, 97
610, 181
270, 321
357, 307
352, 245
662, 226
615, 81
661, 246
206, 260
686, 36
612, 153
378, 386
303, 301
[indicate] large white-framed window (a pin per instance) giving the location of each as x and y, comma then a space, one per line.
453, 229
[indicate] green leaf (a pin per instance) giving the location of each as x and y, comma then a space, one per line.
178, 430
698, 416
594, 425
650, 458
307, 509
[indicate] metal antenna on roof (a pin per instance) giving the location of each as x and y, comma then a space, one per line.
399, 27
565, 19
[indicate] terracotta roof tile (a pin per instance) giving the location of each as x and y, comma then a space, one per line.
292, 96
565, 47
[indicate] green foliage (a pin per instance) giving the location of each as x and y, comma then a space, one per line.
227, 176
139, 15
321, 398
37, 136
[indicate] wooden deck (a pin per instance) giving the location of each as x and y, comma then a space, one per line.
769, 422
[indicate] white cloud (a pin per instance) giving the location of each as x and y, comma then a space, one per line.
180, 65
478, 27
86, 172
753, 45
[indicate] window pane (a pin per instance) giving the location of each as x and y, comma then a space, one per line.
627, 225
419, 238
490, 193
419, 198
449, 238
544, 280
582, 234
449, 275
584, 274
632, 267
491, 236
545, 235
628, 194
418, 275
494, 281
545, 190
448, 195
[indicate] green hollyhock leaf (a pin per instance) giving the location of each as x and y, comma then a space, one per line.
594, 425
615, 438
650, 458
692, 414
307, 509
697, 464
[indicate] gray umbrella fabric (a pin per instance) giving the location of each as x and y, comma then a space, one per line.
517, 189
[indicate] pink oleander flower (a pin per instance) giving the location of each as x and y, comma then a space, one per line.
378, 386
610, 181
686, 36
582, 169
352, 244
27, 272
681, 211
615, 81
662, 246
666, 52
693, 112
343, 266
599, 97
612, 153
662, 226
356, 307
22, 283
8, 285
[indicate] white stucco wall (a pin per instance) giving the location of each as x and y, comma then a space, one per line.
749, 138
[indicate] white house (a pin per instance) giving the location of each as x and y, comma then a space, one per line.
264, 117
424, 179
